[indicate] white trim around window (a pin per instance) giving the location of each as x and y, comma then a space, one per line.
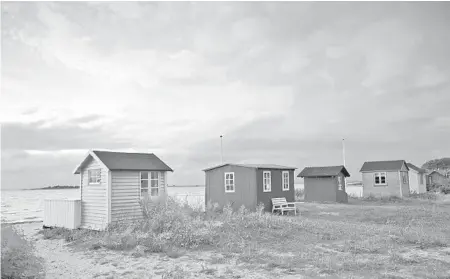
285, 180
267, 181
380, 179
149, 181
229, 182
94, 176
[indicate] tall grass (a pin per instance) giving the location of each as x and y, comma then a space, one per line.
169, 225
18, 256
354, 239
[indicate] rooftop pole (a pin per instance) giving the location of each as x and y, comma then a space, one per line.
221, 150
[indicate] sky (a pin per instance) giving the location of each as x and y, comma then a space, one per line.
283, 82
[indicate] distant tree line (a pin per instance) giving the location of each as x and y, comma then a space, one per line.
58, 187
441, 165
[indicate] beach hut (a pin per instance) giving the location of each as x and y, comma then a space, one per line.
325, 183
113, 183
385, 178
417, 179
248, 185
437, 178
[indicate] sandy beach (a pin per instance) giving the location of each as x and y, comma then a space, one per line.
63, 261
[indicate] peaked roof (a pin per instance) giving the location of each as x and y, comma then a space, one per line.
254, 166
413, 167
323, 171
126, 161
383, 166
435, 171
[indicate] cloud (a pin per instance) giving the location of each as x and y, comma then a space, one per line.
16, 136
283, 82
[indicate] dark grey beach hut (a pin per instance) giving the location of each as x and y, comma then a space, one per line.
325, 183
248, 185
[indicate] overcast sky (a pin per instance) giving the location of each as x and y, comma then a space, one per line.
283, 83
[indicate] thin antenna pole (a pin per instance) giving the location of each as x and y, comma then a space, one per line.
221, 149
343, 150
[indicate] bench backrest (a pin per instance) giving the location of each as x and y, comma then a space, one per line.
279, 201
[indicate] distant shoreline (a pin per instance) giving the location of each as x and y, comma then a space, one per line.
185, 186
55, 188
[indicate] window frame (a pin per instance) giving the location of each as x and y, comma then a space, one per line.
225, 180
269, 181
380, 174
283, 180
149, 180
405, 178
99, 180
340, 185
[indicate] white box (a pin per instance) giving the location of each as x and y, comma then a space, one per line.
63, 213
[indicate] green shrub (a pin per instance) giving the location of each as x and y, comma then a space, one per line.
18, 256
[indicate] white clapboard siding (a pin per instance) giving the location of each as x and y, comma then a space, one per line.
62, 213
94, 199
125, 196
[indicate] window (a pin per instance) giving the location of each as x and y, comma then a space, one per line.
285, 181
380, 178
340, 188
405, 178
150, 179
420, 178
94, 176
267, 185
229, 182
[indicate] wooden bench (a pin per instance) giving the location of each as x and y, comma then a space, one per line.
282, 205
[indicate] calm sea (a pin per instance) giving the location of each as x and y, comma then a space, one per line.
21, 206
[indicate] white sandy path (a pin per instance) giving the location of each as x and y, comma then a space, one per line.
61, 261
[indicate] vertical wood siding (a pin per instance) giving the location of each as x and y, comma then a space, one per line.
276, 187
245, 187
414, 182
320, 189
405, 186
94, 202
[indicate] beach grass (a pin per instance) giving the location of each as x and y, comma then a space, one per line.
369, 238
19, 259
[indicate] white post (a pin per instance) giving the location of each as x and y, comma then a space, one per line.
221, 150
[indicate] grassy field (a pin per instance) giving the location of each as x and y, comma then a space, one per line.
389, 238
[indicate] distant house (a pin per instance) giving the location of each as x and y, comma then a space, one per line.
385, 178
417, 179
248, 185
437, 178
112, 184
325, 183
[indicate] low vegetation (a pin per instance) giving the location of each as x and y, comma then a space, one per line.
437, 188
299, 194
18, 256
394, 238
